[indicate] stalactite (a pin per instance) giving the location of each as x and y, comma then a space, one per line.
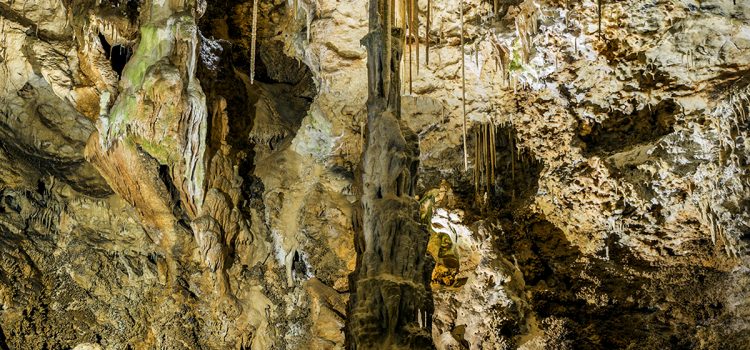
388, 29
253, 40
308, 23
478, 163
403, 11
599, 5
403, 15
476, 56
488, 158
484, 159
415, 21
427, 33
512, 157
410, 14
463, 82
493, 157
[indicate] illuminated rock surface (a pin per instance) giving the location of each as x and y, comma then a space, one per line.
156, 191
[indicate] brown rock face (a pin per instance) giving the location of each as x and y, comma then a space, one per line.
242, 174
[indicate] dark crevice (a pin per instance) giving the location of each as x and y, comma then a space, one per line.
3, 340
41, 187
299, 267
132, 8
128, 8
284, 85
117, 55
620, 131
60, 168
516, 173
555, 276
174, 194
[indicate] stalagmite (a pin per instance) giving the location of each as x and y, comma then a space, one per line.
390, 284
253, 40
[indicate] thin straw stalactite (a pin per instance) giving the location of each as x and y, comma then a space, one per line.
252, 41
513, 155
388, 42
415, 17
488, 154
463, 83
484, 160
478, 160
403, 10
427, 34
410, 14
599, 5
492, 148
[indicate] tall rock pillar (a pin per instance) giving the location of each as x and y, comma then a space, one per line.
391, 303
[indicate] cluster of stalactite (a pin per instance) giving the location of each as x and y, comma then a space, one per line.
405, 15
526, 27
484, 158
526, 24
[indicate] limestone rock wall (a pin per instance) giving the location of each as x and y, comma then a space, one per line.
152, 196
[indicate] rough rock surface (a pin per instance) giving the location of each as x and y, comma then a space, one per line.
153, 196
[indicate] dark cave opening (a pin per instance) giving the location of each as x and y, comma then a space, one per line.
118, 55
133, 9
3, 340
516, 174
41, 187
556, 280
516, 171
283, 87
130, 8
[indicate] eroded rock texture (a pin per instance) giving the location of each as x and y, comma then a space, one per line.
391, 304
163, 184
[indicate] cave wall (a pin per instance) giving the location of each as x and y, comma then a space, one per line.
152, 196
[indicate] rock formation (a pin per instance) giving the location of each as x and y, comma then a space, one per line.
390, 301
242, 174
